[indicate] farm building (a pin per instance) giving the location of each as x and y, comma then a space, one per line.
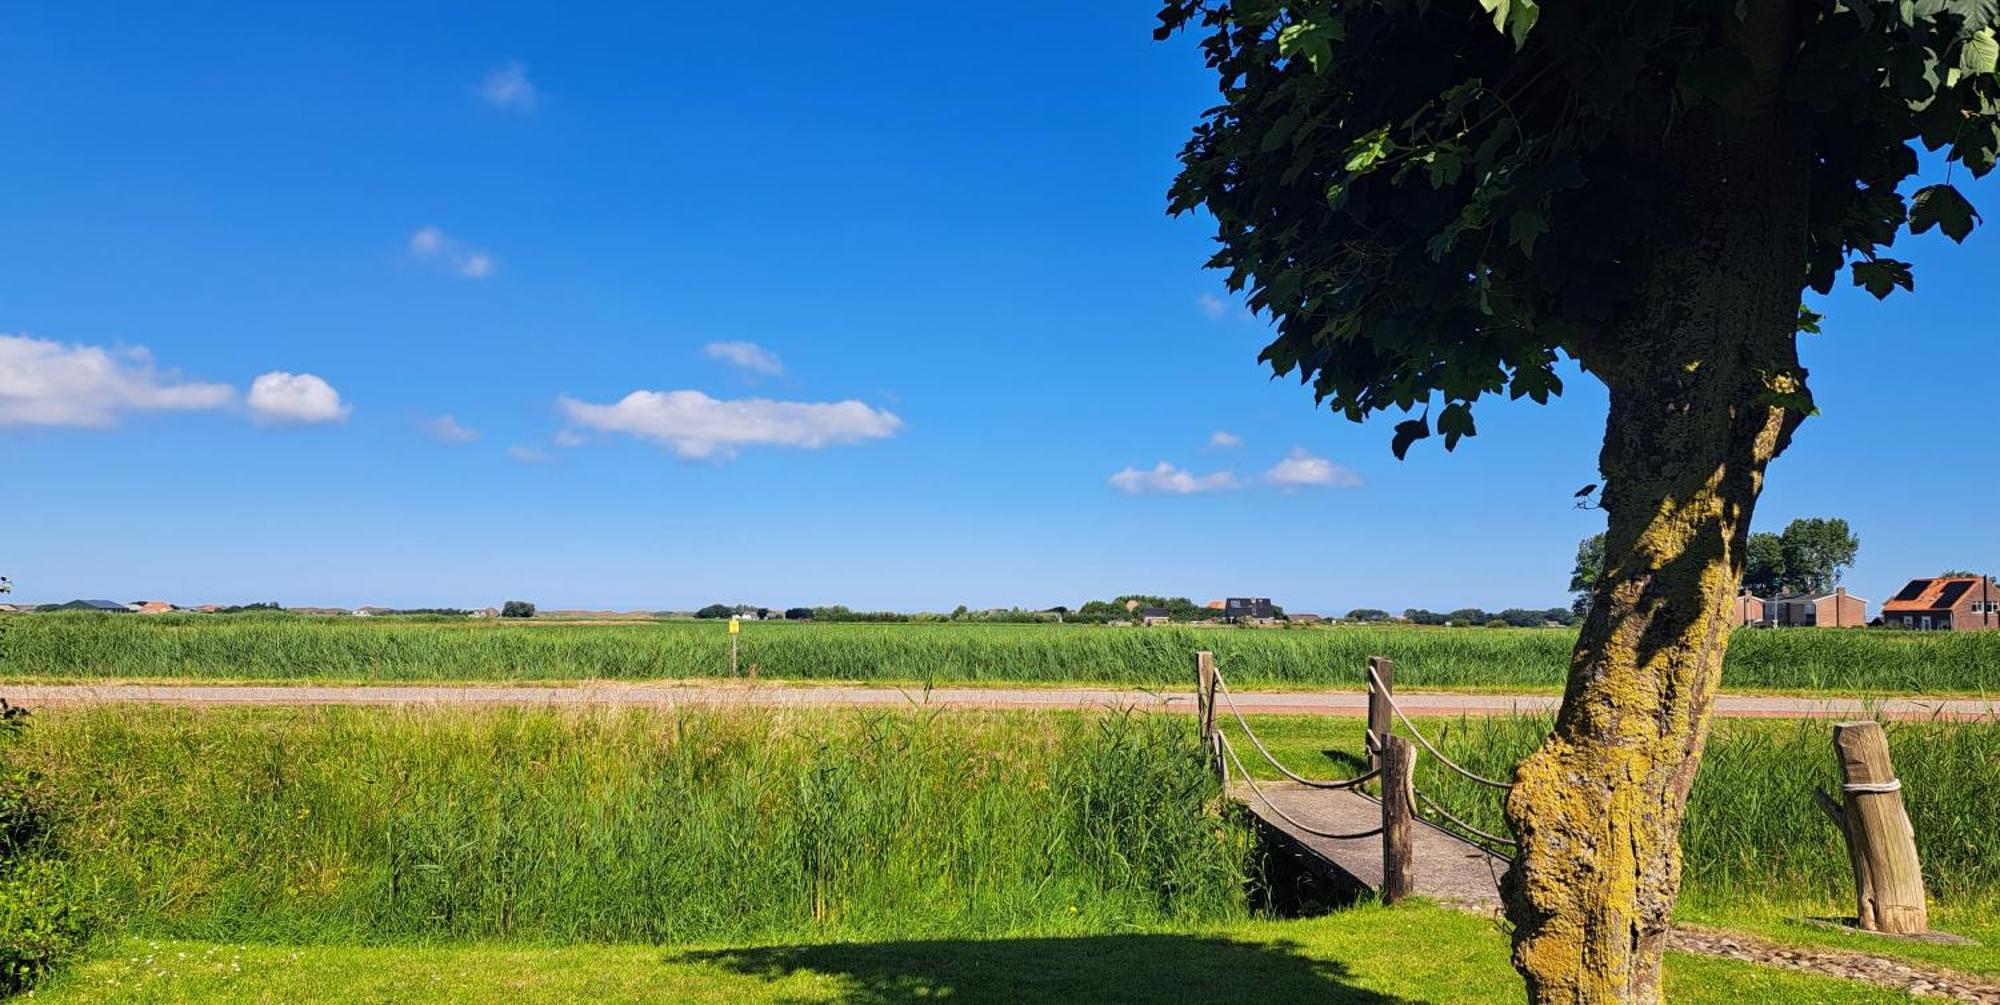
109, 606
1748, 609
1154, 616
1839, 609
1946, 603
152, 607
1248, 609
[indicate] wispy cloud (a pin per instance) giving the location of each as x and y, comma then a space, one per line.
746, 356
447, 429
47, 383
1224, 439
1164, 478
430, 244
1212, 306
509, 87
697, 426
1302, 469
294, 399
570, 438
530, 455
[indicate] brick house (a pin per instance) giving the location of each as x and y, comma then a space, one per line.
1839, 609
1748, 609
1946, 604
1237, 609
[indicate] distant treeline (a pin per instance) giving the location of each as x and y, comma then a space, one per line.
1512, 617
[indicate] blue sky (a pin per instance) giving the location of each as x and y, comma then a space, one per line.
918, 330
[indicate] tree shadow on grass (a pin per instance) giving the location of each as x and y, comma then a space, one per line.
1141, 968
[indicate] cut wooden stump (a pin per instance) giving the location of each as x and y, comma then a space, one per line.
1881, 844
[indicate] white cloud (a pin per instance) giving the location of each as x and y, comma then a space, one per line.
447, 429
698, 426
47, 383
1165, 478
430, 244
1225, 439
529, 455
508, 87
570, 438
1212, 306
747, 355
294, 399
1300, 469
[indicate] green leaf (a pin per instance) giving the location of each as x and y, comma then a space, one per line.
1370, 150
1407, 432
1514, 18
1881, 276
1980, 53
1809, 320
1942, 206
1523, 226
1312, 39
1455, 422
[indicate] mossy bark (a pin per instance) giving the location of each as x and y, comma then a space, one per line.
1701, 366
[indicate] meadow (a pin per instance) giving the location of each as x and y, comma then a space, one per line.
746, 854
93, 647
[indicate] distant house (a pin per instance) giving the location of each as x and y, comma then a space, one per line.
1304, 619
370, 612
208, 608
1946, 604
485, 612
1237, 609
107, 606
1748, 609
1154, 616
152, 607
1839, 609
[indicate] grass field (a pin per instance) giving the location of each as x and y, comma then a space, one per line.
1367, 956
90, 647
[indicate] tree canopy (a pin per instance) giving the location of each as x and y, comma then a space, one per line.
1431, 210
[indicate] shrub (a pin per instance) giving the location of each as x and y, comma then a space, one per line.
42, 920
517, 609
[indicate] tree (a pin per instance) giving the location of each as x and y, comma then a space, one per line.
1419, 616
1466, 617
1434, 201
1817, 552
1589, 567
517, 609
798, 614
1764, 565
715, 611
1367, 614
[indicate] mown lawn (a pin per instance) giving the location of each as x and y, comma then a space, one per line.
1367, 956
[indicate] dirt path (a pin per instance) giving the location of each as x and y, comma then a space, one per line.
783, 695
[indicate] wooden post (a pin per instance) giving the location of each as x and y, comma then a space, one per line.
1381, 721
1204, 704
1881, 845
1398, 810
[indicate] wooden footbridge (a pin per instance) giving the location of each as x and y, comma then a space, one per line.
1394, 840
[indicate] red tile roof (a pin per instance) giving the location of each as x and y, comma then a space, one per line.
1937, 594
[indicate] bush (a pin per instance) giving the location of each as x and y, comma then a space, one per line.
42, 918
517, 609
1367, 614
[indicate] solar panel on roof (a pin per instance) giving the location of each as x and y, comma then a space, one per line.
1914, 590
1953, 591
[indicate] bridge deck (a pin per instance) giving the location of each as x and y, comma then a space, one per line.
1448, 869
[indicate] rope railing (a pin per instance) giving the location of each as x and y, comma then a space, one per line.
1222, 687
1420, 738
1230, 752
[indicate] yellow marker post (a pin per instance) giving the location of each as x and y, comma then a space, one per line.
735, 629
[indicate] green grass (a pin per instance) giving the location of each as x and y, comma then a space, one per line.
1363, 957
87, 646
345, 824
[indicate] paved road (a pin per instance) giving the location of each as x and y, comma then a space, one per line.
1339, 703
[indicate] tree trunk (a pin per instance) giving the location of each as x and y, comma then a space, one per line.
1696, 363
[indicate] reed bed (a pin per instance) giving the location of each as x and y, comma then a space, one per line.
88, 646
371, 825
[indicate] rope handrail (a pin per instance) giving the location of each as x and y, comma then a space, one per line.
1447, 814
1346, 783
1407, 724
1282, 815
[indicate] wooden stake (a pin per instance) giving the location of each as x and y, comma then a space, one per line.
1881, 844
1381, 721
1204, 703
1399, 761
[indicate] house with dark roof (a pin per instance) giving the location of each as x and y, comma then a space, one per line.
1945, 604
110, 606
1154, 616
1237, 609
1838, 609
